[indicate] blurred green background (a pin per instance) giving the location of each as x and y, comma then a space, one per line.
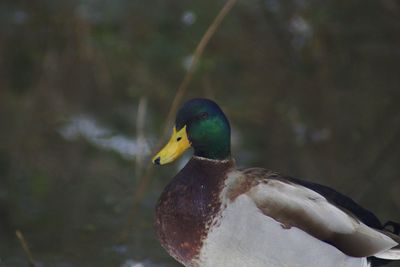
311, 89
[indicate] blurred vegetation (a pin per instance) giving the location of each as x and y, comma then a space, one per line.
311, 89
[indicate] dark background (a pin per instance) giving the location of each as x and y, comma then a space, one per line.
311, 89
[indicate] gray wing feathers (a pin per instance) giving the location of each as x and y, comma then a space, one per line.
294, 205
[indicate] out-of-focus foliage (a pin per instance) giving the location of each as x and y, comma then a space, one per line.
311, 88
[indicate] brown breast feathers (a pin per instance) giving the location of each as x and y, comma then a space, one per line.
187, 206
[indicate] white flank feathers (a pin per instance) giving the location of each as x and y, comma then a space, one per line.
244, 237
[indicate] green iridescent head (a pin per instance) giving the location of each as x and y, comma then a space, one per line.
201, 124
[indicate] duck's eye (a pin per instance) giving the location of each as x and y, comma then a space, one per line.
178, 139
204, 115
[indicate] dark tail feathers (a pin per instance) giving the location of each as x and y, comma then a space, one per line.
392, 227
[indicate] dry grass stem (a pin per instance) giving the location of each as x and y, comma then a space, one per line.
196, 57
25, 247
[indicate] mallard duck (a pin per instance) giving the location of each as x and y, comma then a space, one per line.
214, 215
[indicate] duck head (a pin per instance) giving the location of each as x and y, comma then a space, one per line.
200, 124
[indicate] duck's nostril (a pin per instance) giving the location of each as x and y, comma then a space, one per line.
157, 161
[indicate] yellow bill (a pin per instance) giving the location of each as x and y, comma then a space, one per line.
175, 147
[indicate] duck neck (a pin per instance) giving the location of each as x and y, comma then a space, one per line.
214, 149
